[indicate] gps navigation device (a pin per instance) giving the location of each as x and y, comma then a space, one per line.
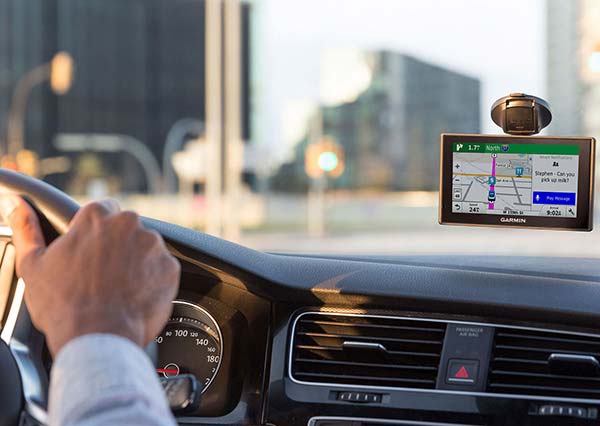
517, 181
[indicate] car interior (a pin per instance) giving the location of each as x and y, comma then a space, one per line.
464, 326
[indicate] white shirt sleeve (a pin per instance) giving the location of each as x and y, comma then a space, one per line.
104, 379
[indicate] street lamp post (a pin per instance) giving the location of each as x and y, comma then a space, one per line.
324, 157
59, 71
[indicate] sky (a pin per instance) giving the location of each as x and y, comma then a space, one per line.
501, 43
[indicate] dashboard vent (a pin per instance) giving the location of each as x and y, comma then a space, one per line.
366, 350
524, 362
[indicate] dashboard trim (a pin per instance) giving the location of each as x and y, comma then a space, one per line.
313, 421
436, 391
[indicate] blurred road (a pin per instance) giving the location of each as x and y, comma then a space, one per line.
438, 240
404, 223
367, 223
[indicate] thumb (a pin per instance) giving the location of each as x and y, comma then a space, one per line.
27, 235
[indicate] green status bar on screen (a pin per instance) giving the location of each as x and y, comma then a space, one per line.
522, 148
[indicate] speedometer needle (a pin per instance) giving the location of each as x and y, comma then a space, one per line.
167, 370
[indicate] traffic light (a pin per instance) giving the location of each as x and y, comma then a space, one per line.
324, 158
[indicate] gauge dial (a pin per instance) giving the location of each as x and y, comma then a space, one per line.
190, 343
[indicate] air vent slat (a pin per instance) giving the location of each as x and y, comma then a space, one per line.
408, 355
394, 381
551, 350
545, 376
358, 337
520, 364
548, 338
376, 326
339, 348
367, 364
520, 360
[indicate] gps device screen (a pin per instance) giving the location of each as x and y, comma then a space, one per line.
510, 179
517, 181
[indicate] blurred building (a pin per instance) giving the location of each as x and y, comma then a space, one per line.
589, 65
139, 69
563, 63
24, 44
391, 133
573, 66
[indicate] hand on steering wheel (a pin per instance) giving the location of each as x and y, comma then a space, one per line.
107, 274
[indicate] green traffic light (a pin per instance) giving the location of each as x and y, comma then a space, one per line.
328, 161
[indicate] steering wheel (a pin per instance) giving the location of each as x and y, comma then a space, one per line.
23, 380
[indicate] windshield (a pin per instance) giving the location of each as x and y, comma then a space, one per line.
286, 125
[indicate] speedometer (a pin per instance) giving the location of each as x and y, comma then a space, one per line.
190, 343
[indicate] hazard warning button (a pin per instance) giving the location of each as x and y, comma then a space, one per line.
462, 372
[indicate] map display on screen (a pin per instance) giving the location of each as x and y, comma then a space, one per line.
515, 179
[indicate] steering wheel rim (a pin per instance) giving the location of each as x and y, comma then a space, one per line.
56, 209
54, 204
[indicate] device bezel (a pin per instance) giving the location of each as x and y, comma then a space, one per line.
585, 184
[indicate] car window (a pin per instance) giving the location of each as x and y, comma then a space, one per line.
288, 125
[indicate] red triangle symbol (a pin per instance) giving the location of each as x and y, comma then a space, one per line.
462, 373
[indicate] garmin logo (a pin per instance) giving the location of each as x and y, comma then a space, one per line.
513, 220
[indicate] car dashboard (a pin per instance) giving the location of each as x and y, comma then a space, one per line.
300, 340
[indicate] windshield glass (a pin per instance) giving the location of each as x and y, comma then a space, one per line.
286, 125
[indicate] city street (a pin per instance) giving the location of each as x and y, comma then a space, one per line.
371, 223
